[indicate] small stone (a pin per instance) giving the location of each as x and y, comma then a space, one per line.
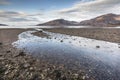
61, 41
2, 58
83, 77
6, 72
8, 51
26, 65
42, 76
20, 54
40, 31
97, 46
1, 43
76, 75
58, 73
31, 68
1, 55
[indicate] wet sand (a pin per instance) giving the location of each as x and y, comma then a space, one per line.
106, 34
7, 36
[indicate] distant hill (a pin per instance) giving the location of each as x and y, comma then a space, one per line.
107, 20
3, 25
59, 22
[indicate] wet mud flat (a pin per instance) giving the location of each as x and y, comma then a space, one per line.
106, 34
99, 61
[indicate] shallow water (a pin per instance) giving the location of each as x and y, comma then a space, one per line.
98, 58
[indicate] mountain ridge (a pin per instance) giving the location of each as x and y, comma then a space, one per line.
3, 25
59, 22
106, 20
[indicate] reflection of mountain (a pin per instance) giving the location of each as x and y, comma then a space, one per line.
3, 25
59, 22
107, 20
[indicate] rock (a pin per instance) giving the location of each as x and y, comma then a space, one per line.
97, 46
2, 58
6, 72
58, 73
8, 51
76, 75
42, 76
20, 54
40, 31
2, 70
1, 43
61, 41
64, 78
26, 65
83, 77
31, 68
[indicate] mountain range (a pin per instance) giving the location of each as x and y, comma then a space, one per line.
59, 22
3, 25
107, 20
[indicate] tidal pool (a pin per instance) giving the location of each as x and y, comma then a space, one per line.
99, 59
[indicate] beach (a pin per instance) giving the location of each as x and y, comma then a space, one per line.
18, 64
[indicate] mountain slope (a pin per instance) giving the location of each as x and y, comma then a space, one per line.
59, 22
3, 25
107, 20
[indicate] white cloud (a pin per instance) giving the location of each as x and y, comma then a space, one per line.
17, 17
82, 10
90, 9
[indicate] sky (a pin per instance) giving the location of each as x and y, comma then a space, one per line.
31, 12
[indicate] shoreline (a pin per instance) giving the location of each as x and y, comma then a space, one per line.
111, 35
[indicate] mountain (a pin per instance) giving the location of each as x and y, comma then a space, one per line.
59, 22
107, 20
3, 25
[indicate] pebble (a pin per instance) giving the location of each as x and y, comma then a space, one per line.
83, 77
61, 41
20, 54
76, 75
2, 58
0, 43
97, 46
31, 68
26, 65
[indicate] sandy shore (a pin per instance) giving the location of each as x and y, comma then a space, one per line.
7, 36
111, 35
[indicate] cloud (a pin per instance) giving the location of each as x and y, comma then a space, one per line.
82, 10
11, 14
17, 17
4, 2
91, 8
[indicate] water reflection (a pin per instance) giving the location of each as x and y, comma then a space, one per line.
96, 57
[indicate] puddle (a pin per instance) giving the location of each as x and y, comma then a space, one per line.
97, 57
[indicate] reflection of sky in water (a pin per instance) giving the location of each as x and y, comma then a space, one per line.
59, 45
